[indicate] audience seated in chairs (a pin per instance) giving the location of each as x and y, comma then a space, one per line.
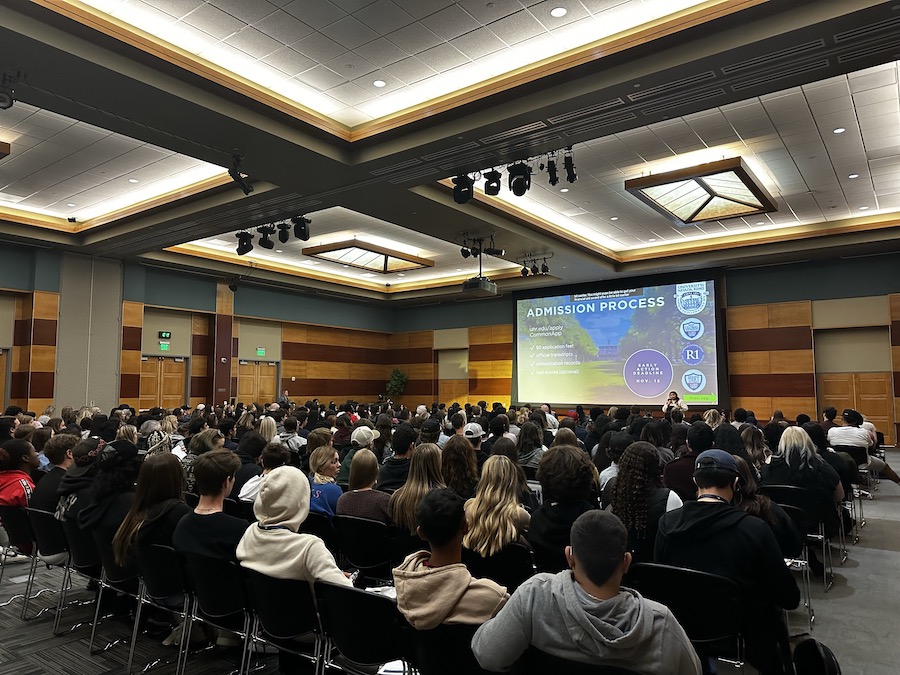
678, 474
58, 450
18, 459
361, 438
566, 476
395, 470
361, 500
435, 588
424, 476
583, 614
324, 464
248, 451
711, 535
275, 454
459, 466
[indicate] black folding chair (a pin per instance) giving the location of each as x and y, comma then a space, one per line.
445, 650
510, 567
537, 662
366, 545
811, 657
801, 562
348, 616
22, 542
320, 525
114, 577
284, 611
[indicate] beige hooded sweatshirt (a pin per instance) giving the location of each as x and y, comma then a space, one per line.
273, 546
430, 596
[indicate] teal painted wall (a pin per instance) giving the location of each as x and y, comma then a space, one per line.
168, 288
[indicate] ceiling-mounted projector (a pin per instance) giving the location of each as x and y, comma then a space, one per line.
480, 287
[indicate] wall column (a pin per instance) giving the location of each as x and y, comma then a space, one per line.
33, 363
220, 341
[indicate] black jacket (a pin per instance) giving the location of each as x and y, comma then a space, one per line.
393, 474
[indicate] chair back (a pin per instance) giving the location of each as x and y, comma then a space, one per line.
811, 657
15, 522
158, 566
84, 555
537, 662
285, 607
801, 519
802, 498
48, 532
320, 525
510, 567
860, 455
121, 577
365, 544
191, 499
218, 588
713, 633
348, 616
445, 650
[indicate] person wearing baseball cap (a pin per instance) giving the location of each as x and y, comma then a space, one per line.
711, 535
362, 436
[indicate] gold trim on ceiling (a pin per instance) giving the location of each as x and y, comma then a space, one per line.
639, 35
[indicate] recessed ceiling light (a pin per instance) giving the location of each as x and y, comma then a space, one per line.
760, 222
863, 208
564, 189
379, 83
459, 269
401, 275
853, 175
558, 12
345, 265
839, 130
70, 205
614, 218
652, 239
132, 180
278, 250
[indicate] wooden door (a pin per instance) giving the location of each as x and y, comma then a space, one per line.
163, 382
451, 391
267, 382
151, 386
870, 393
247, 376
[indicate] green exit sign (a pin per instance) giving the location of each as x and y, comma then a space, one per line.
163, 346
260, 351
165, 335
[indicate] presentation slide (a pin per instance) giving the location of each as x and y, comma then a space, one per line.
629, 346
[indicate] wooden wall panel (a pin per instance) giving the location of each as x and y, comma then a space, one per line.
131, 379
33, 357
491, 363
746, 317
785, 314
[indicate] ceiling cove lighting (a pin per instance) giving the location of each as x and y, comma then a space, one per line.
365, 256
708, 192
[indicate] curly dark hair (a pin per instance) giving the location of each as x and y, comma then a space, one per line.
565, 474
638, 474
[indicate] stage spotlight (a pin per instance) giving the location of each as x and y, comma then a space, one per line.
235, 173
492, 180
544, 268
233, 284
463, 191
569, 166
534, 268
284, 231
245, 243
266, 232
519, 179
524, 271
495, 251
475, 251
552, 172
301, 227
464, 252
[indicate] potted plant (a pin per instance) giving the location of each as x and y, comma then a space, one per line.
396, 383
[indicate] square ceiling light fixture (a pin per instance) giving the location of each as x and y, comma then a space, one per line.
714, 191
366, 256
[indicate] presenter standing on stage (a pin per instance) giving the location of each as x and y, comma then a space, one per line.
674, 402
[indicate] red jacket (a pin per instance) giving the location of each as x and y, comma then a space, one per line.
16, 488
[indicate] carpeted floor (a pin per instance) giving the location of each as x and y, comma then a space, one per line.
856, 618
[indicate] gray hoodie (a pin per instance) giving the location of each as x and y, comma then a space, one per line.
554, 614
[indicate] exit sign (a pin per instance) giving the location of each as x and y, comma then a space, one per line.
260, 351
163, 346
165, 335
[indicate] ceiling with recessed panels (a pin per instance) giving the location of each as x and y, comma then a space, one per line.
807, 94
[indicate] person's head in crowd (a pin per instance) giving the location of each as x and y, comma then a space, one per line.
699, 437
565, 436
196, 425
403, 441
275, 454
55, 424
39, 438
713, 418
716, 470
84, 457
740, 415
565, 474
227, 426
214, 472
598, 554
474, 434
505, 446
751, 500
621, 413
7, 425
772, 433
499, 425
568, 423
58, 450
324, 464
778, 416
424, 475
653, 433
161, 479
539, 419
495, 511
441, 521
459, 467
458, 421
251, 445
169, 424
290, 424
727, 438
267, 429
636, 427
363, 436
363, 470
318, 438
638, 475
18, 455
12, 411
206, 440
695, 417
678, 439
283, 499
816, 434
829, 413
117, 469
430, 432
127, 432
852, 418
618, 442
802, 419
530, 437
755, 445
797, 448
24, 431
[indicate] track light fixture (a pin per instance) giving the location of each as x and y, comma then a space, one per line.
245, 242
544, 268
463, 190
8, 83
301, 227
569, 165
464, 252
265, 240
534, 268
524, 271
237, 177
492, 181
284, 231
519, 179
551, 171
493, 250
